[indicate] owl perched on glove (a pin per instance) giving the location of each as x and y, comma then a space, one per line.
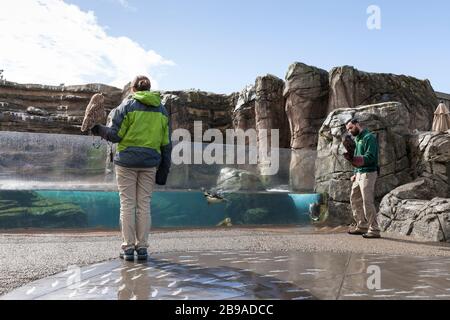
349, 145
95, 112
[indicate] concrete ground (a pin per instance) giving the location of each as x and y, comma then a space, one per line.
26, 257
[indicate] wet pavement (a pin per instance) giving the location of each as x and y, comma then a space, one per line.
235, 275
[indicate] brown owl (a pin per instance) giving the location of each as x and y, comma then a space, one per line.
349, 144
95, 112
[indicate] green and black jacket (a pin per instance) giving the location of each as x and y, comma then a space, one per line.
367, 149
141, 127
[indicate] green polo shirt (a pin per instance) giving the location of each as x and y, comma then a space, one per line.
367, 147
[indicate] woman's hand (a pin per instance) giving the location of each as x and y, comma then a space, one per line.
102, 131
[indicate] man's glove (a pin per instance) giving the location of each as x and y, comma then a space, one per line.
349, 157
355, 161
358, 162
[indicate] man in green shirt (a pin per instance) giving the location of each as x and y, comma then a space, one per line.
365, 163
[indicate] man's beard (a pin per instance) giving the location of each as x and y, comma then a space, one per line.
356, 132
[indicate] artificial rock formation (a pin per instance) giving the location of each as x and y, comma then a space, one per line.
244, 112
60, 109
390, 122
49, 109
350, 88
422, 208
185, 107
270, 115
269, 108
306, 94
234, 180
422, 219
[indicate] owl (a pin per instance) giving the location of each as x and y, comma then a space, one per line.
349, 144
95, 112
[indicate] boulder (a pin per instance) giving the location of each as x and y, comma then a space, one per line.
432, 155
350, 88
235, 180
421, 209
426, 220
389, 122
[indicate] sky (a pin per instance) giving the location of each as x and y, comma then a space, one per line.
218, 45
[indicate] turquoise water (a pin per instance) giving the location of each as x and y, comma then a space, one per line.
177, 209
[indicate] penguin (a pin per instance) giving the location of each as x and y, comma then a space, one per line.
213, 197
225, 223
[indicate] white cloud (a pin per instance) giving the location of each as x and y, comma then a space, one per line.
52, 42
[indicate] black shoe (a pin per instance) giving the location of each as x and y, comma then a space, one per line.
127, 255
142, 254
357, 232
371, 236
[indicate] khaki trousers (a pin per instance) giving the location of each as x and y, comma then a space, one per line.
362, 201
135, 191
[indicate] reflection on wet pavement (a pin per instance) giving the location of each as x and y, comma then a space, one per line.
231, 275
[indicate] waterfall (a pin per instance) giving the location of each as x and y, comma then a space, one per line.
52, 161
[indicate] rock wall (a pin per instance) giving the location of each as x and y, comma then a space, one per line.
53, 109
306, 94
49, 109
297, 106
185, 107
350, 87
270, 115
421, 209
270, 108
244, 117
390, 122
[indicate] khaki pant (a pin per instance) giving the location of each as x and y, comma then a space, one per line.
135, 191
362, 202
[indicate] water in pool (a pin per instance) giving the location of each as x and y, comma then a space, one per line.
170, 209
